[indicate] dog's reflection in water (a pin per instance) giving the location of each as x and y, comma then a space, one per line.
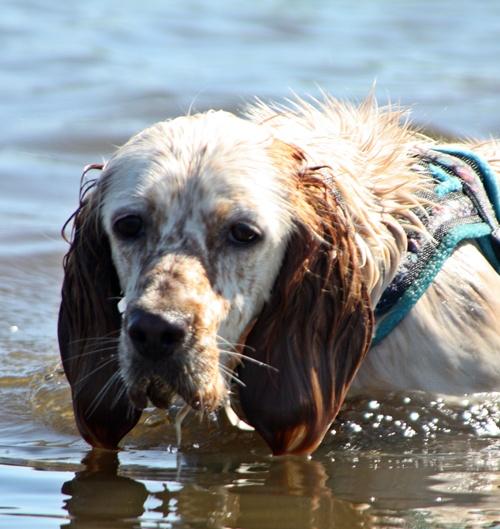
99, 495
289, 492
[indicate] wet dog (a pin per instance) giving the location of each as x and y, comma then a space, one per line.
217, 252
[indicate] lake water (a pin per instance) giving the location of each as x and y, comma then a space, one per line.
77, 78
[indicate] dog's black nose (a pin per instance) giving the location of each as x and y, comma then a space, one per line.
156, 336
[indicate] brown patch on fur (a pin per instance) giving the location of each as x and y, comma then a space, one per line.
179, 284
315, 330
288, 158
221, 212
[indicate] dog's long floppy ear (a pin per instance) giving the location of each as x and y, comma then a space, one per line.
88, 330
314, 331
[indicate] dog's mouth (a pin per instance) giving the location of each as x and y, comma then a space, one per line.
152, 389
162, 358
201, 393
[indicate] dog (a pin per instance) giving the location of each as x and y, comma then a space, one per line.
246, 258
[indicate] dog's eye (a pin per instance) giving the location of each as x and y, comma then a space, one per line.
242, 234
129, 227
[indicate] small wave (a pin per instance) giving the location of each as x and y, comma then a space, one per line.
407, 420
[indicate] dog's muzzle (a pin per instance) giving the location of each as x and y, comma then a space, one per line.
157, 336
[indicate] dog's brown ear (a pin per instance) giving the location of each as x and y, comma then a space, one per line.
88, 331
314, 331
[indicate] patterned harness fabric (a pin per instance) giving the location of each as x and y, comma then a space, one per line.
464, 205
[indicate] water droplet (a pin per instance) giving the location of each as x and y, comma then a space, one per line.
374, 405
122, 305
414, 416
409, 432
213, 417
489, 428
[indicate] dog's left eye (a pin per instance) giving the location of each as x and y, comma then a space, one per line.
242, 234
128, 227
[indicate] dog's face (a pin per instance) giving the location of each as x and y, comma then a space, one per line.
197, 239
227, 248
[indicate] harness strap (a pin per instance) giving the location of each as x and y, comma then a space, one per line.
464, 205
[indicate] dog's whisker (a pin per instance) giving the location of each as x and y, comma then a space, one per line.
93, 352
248, 358
102, 393
101, 365
120, 393
226, 341
235, 346
99, 339
231, 376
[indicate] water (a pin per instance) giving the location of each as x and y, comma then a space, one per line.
77, 78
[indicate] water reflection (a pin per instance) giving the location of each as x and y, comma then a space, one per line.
270, 493
298, 493
234, 490
99, 496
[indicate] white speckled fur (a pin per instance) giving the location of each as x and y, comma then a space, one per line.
179, 174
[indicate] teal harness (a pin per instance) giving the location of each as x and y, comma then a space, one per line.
464, 205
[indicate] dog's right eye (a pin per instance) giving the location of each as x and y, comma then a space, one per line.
128, 227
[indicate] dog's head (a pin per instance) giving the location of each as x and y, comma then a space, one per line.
223, 243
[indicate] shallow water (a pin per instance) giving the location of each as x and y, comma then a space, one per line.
79, 77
